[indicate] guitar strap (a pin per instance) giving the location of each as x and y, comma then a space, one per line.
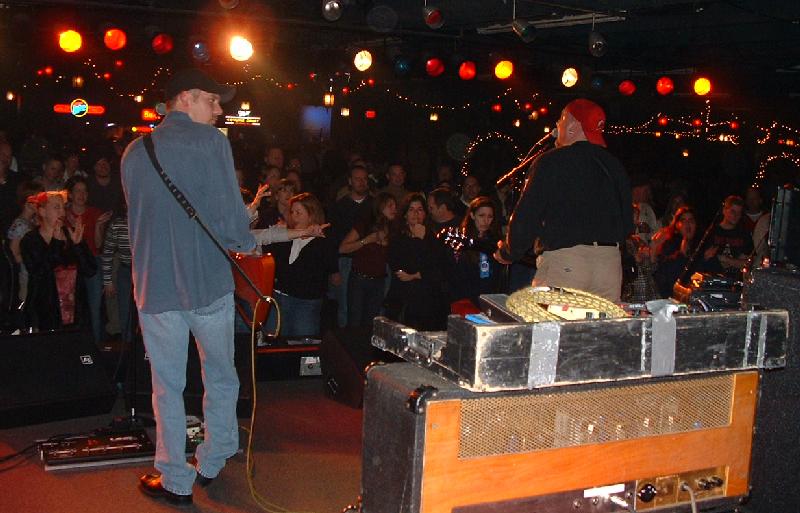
187, 206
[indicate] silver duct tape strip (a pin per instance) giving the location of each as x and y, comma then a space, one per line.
662, 361
762, 341
643, 354
748, 339
544, 353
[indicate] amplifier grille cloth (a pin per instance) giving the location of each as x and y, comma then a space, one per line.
534, 422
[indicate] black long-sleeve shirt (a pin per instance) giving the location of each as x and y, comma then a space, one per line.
577, 194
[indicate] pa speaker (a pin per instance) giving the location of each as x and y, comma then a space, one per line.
139, 388
51, 376
776, 454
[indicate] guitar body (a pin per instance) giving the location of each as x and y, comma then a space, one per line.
261, 270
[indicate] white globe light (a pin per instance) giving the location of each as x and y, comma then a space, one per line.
570, 77
363, 60
241, 49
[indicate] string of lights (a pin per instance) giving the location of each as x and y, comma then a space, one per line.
762, 168
685, 126
480, 139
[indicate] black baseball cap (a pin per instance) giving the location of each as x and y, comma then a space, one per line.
193, 78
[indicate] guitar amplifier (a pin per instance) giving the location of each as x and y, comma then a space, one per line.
658, 444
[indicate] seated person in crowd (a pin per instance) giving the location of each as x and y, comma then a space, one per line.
729, 246
302, 270
55, 255
368, 243
671, 249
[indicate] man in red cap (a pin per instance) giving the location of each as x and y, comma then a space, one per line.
577, 203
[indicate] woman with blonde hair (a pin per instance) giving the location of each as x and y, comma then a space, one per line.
55, 255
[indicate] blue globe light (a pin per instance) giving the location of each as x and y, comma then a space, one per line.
402, 66
200, 51
597, 82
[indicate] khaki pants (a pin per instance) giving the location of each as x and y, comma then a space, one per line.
594, 269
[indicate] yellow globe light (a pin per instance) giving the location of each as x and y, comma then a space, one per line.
702, 86
363, 60
570, 77
70, 41
241, 49
504, 69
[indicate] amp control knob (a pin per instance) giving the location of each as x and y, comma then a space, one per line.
647, 493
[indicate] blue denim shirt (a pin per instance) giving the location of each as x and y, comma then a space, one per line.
176, 266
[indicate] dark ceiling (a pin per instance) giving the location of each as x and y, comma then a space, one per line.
747, 46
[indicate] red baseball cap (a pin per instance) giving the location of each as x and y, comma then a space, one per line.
592, 118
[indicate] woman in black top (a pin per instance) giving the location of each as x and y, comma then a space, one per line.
55, 255
302, 269
416, 261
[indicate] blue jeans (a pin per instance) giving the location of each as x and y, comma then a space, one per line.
166, 339
339, 293
299, 317
364, 299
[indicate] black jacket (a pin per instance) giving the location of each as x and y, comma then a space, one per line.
577, 194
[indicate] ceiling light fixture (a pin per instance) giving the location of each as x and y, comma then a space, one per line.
332, 9
433, 16
524, 29
597, 42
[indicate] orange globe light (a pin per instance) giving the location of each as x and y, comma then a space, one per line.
70, 41
504, 69
702, 86
664, 86
627, 87
115, 39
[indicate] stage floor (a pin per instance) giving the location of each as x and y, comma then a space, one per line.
307, 450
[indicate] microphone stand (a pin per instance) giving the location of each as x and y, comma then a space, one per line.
530, 156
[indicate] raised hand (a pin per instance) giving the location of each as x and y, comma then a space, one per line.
76, 233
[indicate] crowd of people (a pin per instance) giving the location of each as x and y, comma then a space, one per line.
412, 251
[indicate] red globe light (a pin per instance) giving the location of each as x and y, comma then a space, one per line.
664, 86
119, 63
345, 90
115, 39
290, 86
543, 111
370, 114
497, 107
663, 121
162, 43
371, 82
734, 125
107, 75
40, 72
528, 106
627, 87
434, 66
467, 70
697, 122
48, 70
